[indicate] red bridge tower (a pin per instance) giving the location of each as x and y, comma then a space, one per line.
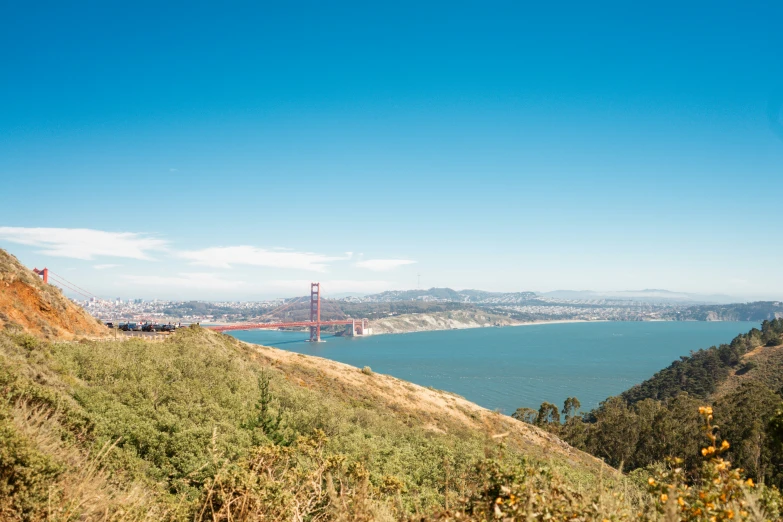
43, 273
315, 312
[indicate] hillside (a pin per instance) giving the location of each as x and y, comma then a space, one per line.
742, 381
29, 305
763, 365
172, 417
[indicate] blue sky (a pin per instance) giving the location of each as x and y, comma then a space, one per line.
241, 150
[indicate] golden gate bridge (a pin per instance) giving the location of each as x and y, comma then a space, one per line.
315, 323
357, 326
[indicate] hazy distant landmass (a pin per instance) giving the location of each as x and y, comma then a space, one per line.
447, 294
481, 296
650, 295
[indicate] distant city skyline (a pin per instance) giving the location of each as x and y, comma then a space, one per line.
240, 152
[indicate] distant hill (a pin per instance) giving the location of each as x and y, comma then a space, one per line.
447, 294
647, 295
653, 296
28, 304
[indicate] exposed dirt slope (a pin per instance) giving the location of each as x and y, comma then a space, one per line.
29, 305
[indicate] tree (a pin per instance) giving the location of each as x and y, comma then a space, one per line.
548, 414
571, 407
775, 434
528, 415
616, 432
744, 416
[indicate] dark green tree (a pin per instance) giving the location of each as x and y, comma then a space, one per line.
548, 414
744, 417
571, 407
616, 433
266, 419
528, 415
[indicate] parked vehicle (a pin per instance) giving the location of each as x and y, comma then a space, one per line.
134, 327
109, 325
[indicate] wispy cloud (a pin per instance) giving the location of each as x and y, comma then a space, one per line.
84, 243
194, 280
105, 267
226, 257
383, 265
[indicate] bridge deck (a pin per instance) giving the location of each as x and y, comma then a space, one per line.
260, 326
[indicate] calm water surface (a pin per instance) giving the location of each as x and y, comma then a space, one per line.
506, 368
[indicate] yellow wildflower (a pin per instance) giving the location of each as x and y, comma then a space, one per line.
749, 482
664, 498
705, 410
680, 501
651, 481
724, 445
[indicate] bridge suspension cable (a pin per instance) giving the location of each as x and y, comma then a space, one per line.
70, 286
283, 307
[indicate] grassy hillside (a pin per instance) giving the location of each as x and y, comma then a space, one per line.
165, 422
205, 427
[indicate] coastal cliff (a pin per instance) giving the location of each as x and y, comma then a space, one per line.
454, 320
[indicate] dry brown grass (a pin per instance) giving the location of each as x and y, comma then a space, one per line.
767, 368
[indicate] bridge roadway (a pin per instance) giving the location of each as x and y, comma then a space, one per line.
259, 326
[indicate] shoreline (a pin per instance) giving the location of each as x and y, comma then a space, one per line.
565, 321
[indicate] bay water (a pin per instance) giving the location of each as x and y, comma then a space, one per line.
521, 366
